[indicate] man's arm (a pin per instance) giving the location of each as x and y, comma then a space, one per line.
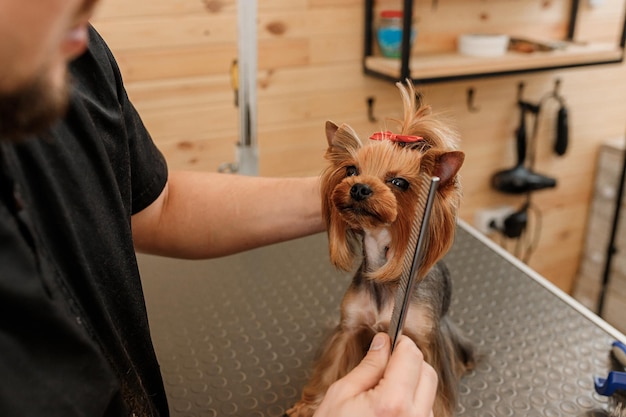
203, 215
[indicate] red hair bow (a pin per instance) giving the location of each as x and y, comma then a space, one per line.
387, 135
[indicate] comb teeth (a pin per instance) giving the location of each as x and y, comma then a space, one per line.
411, 262
415, 228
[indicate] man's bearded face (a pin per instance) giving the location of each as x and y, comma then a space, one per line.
32, 108
37, 40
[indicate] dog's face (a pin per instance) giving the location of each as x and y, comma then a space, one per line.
370, 183
370, 193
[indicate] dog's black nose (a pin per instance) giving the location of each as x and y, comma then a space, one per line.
360, 192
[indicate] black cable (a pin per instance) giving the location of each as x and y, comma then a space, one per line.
518, 246
536, 235
532, 145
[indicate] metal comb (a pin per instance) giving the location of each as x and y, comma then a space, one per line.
413, 257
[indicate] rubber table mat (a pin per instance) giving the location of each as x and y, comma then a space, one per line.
236, 336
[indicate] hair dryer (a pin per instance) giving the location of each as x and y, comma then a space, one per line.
520, 179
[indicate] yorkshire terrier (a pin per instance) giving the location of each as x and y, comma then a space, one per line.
370, 195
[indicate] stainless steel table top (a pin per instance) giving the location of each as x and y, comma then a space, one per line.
237, 335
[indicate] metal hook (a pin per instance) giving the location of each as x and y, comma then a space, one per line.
557, 92
526, 105
370, 109
557, 87
520, 90
470, 101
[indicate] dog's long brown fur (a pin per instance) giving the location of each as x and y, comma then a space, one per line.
375, 229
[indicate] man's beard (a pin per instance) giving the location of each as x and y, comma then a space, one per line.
32, 109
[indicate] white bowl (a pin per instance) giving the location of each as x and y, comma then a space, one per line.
476, 44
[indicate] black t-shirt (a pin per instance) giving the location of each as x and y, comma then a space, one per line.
74, 336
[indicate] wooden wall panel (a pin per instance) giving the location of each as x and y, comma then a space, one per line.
601, 23
438, 27
175, 56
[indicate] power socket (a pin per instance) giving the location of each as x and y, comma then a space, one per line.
485, 219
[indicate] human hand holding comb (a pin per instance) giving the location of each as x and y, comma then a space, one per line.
393, 385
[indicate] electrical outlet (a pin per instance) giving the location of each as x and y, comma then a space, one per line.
485, 219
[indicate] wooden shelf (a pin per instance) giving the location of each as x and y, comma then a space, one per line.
452, 65
446, 66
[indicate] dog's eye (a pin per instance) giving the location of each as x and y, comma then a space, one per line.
351, 171
401, 183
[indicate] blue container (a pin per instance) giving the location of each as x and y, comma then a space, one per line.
389, 33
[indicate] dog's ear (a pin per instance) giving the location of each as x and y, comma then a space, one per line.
342, 138
343, 245
446, 165
331, 129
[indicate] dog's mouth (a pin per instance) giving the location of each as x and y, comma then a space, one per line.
362, 217
360, 211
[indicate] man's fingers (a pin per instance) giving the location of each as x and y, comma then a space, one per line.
369, 372
414, 381
404, 365
400, 385
426, 390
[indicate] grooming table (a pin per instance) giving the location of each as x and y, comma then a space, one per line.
236, 336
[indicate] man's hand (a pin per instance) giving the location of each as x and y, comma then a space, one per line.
382, 385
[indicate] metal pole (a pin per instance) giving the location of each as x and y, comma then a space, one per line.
247, 147
407, 23
369, 32
571, 29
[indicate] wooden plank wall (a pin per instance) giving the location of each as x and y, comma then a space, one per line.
176, 57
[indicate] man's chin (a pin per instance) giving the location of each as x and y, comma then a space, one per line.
32, 109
